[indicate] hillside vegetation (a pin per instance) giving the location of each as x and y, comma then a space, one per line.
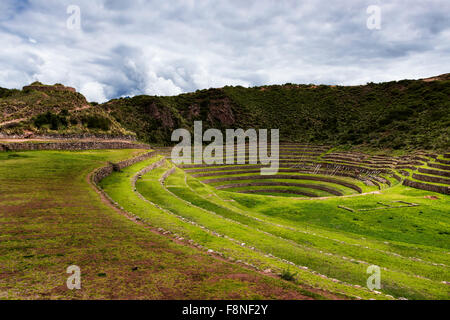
398, 115
53, 110
408, 114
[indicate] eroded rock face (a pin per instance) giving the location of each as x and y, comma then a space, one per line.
220, 110
193, 112
162, 114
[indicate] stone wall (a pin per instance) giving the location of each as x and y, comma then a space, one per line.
426, 186
103, 172
72, 146
444, 161
282, 184
426, 178
293, 177
148, 169
435, 172
64, 137
438, 166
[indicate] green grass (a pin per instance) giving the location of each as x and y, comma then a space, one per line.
312, 243
319, 243
173, 209
52, 218
285, 238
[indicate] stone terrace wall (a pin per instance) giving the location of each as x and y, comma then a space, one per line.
103, 172
431, 178
427, 187
69, 136
72, 146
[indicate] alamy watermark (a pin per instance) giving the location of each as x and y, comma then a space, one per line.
74, 281
374, 280
73, 22
374, 20
256, 149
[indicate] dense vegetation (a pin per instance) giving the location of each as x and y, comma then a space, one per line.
408, 114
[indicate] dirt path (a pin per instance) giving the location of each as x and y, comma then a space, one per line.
12, 121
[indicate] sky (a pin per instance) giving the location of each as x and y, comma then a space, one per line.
113, 48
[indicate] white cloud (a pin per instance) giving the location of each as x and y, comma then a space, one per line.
94, 92
164, 48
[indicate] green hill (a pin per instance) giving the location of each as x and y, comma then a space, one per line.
53, 110
407, 114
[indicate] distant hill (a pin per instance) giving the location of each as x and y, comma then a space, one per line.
41, 109
407, 114
442, 77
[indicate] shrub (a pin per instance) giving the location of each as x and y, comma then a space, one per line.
97, 122
53, 120
287, 275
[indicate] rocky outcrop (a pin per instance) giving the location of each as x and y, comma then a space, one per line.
45, 88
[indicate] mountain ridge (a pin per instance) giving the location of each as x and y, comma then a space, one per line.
405, 114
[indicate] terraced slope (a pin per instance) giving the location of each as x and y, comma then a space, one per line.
433, 176
402, 230
305, 171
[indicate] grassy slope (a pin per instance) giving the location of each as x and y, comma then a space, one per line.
51, 218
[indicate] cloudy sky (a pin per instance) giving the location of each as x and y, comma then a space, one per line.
167, 47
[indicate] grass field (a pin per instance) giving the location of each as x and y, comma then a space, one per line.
51, 218
191, 234
402, 230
